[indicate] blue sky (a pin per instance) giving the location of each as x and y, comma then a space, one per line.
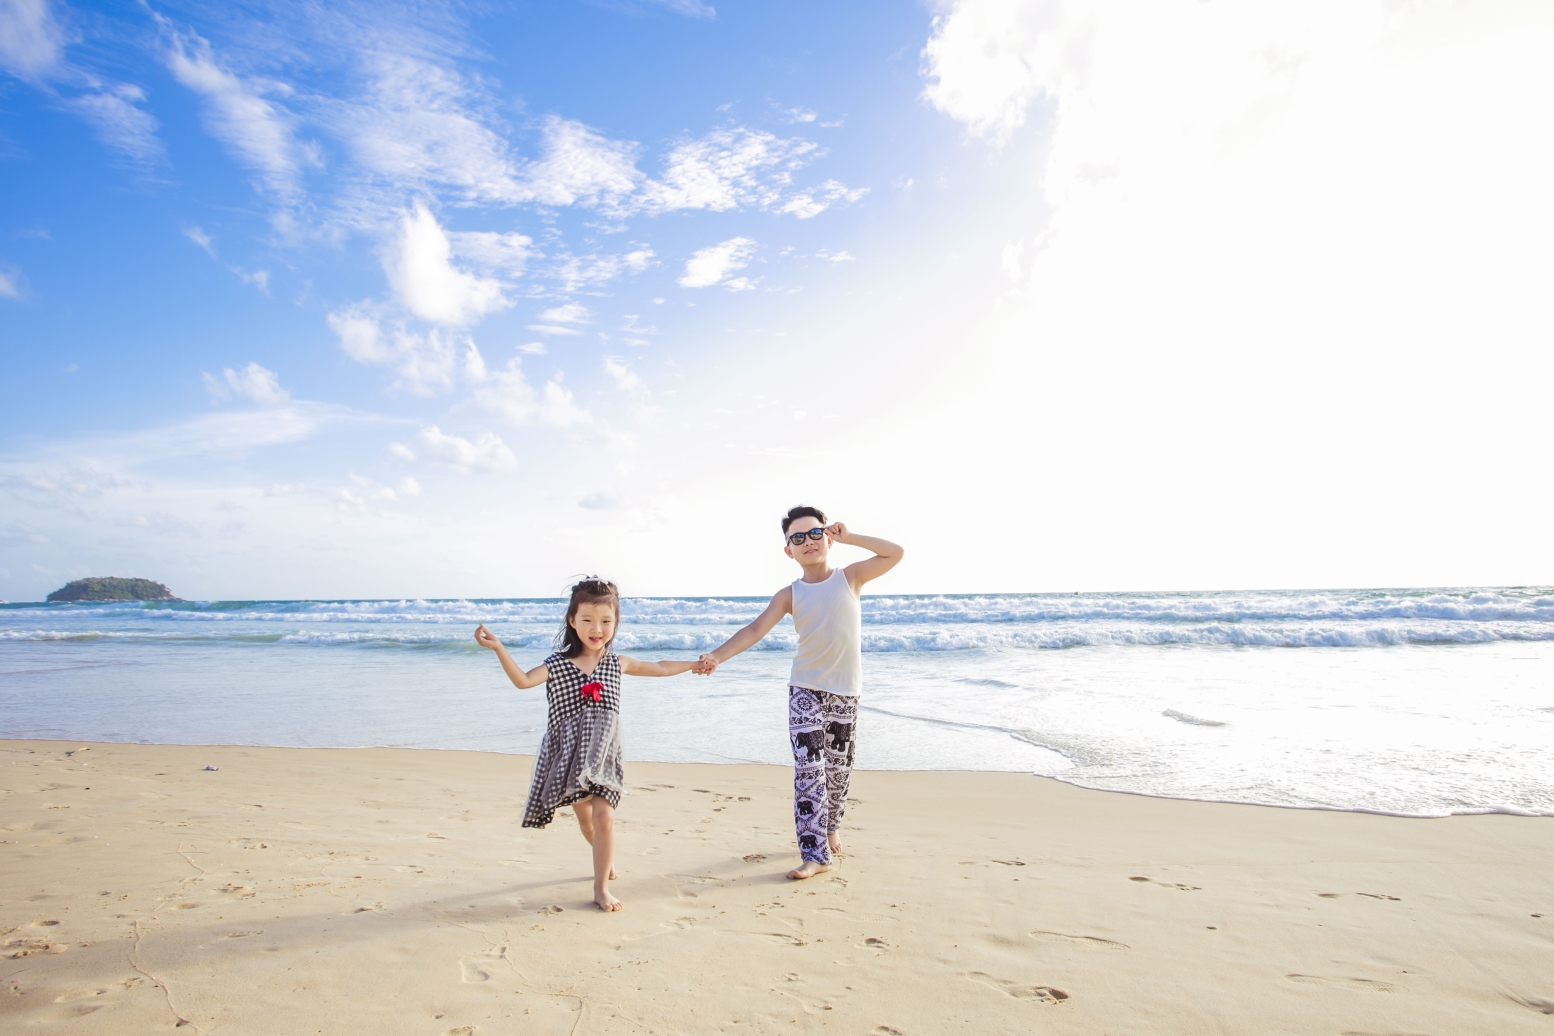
439, 300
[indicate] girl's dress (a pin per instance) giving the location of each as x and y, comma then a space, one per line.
581, 753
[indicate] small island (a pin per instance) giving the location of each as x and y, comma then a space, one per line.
112, 588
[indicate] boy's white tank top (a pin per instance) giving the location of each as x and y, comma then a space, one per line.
829, 621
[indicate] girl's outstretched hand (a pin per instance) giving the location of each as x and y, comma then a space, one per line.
485, 638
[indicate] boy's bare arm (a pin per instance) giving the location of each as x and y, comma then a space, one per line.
521, 680
887, 555
631, 667
750, 635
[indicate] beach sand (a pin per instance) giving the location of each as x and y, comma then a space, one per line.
392, 891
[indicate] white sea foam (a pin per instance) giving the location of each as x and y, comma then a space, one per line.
903, 640
1478, 606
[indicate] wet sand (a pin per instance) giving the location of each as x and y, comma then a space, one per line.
392, 891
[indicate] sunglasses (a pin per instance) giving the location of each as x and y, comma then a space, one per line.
797, 538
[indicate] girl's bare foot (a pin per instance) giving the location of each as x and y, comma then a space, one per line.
835, 841
808, 869
606, 902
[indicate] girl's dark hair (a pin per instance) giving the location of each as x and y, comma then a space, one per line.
795, 513
592, 590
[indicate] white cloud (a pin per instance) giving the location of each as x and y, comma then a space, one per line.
507, 392
726, 169
418, 126
987, 60
600, 501
114, 113
409, 486
581, 167
253, 383
486, 453
532, 348
422, 362
816, 200
375, 490
420, 269
712, 265
835, 257
571, 313
625, 379
31, 43
552, 329
202, 239
799, 115
10, 284
258, 278
1013, 250
257, 130
689, 8
577, 272
501, 254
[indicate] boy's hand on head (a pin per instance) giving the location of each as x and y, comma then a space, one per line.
837, 531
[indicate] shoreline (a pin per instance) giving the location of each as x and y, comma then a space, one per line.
392, 890
743, 762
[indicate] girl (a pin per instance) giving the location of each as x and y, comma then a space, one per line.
579, 764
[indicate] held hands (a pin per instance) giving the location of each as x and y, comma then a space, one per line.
486, 639
704, 665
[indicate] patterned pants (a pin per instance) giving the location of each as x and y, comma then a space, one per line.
820, 725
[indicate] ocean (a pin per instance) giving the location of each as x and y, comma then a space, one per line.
1408, 702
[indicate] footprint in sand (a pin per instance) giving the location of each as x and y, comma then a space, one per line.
1169, 884
1537, 1003
885, 1030
1094, 941
481, 966
1366, 984
15, 949
89, 994
1017, 990
1380, 895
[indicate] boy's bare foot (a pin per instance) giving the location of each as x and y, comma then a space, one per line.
808, 869
834, 840
606, 902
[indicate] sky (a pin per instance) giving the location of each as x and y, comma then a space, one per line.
436, 300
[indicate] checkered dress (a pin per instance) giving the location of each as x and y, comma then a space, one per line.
581, 752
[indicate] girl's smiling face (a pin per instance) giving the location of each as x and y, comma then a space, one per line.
595, 624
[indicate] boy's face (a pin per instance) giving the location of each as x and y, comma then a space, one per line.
595, 624
811, 551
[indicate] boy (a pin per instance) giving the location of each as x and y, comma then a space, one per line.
827, 672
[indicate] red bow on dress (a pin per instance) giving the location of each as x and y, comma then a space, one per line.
591, 690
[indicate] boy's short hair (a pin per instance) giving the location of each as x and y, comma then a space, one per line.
795, 513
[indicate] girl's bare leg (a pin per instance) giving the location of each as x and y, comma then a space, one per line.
585, 820
599, 829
